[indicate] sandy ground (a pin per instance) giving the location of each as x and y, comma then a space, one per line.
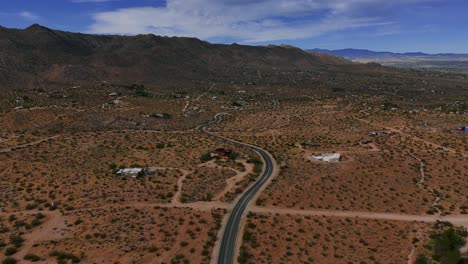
230, 182
53, 228
37, 142
176, 198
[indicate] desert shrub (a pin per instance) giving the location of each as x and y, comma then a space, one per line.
389, 105
257, 168
40, 216
233, 155
36, 222
445, 246
421, 259
32, 257
9, 261
16, 240
244, 256
112, 166
31, 206
254, 161
153, 248
63, 256
205, 157
10, 251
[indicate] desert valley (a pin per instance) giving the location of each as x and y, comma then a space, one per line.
148, 149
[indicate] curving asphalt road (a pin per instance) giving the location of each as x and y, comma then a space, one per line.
229, 237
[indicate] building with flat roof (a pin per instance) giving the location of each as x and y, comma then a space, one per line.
131, 172
328, 157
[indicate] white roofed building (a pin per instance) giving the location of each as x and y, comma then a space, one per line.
328, 157
131, 172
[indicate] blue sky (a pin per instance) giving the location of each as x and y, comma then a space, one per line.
398, 25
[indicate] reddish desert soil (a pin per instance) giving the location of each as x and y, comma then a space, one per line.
315, 239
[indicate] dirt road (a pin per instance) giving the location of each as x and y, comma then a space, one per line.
454, 219
37, 142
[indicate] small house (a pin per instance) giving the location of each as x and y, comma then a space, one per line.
328, 157
131, 172
221, 153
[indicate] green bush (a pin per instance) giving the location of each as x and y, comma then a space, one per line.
112, 166
9, 261
40, 216
254, 161
233, 155
63, 256
257, 168
209, 197
16, 240
10, 251
32, 257
205, 157
153, 248
421, 259
244, 256
446, 245
31, 206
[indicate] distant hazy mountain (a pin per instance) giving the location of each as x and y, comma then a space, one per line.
441, 61
353, 54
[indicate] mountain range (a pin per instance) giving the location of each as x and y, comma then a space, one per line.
41, 55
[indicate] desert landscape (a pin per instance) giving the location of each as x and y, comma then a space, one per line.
118, 156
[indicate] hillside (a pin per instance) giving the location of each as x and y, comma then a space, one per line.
39, 54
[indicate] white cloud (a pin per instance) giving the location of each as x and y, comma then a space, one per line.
243, 20
28, 15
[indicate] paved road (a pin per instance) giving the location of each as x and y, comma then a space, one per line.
228, 241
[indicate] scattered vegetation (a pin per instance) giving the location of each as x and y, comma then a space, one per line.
445, 246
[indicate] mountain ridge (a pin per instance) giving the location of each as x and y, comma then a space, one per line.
38, 54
